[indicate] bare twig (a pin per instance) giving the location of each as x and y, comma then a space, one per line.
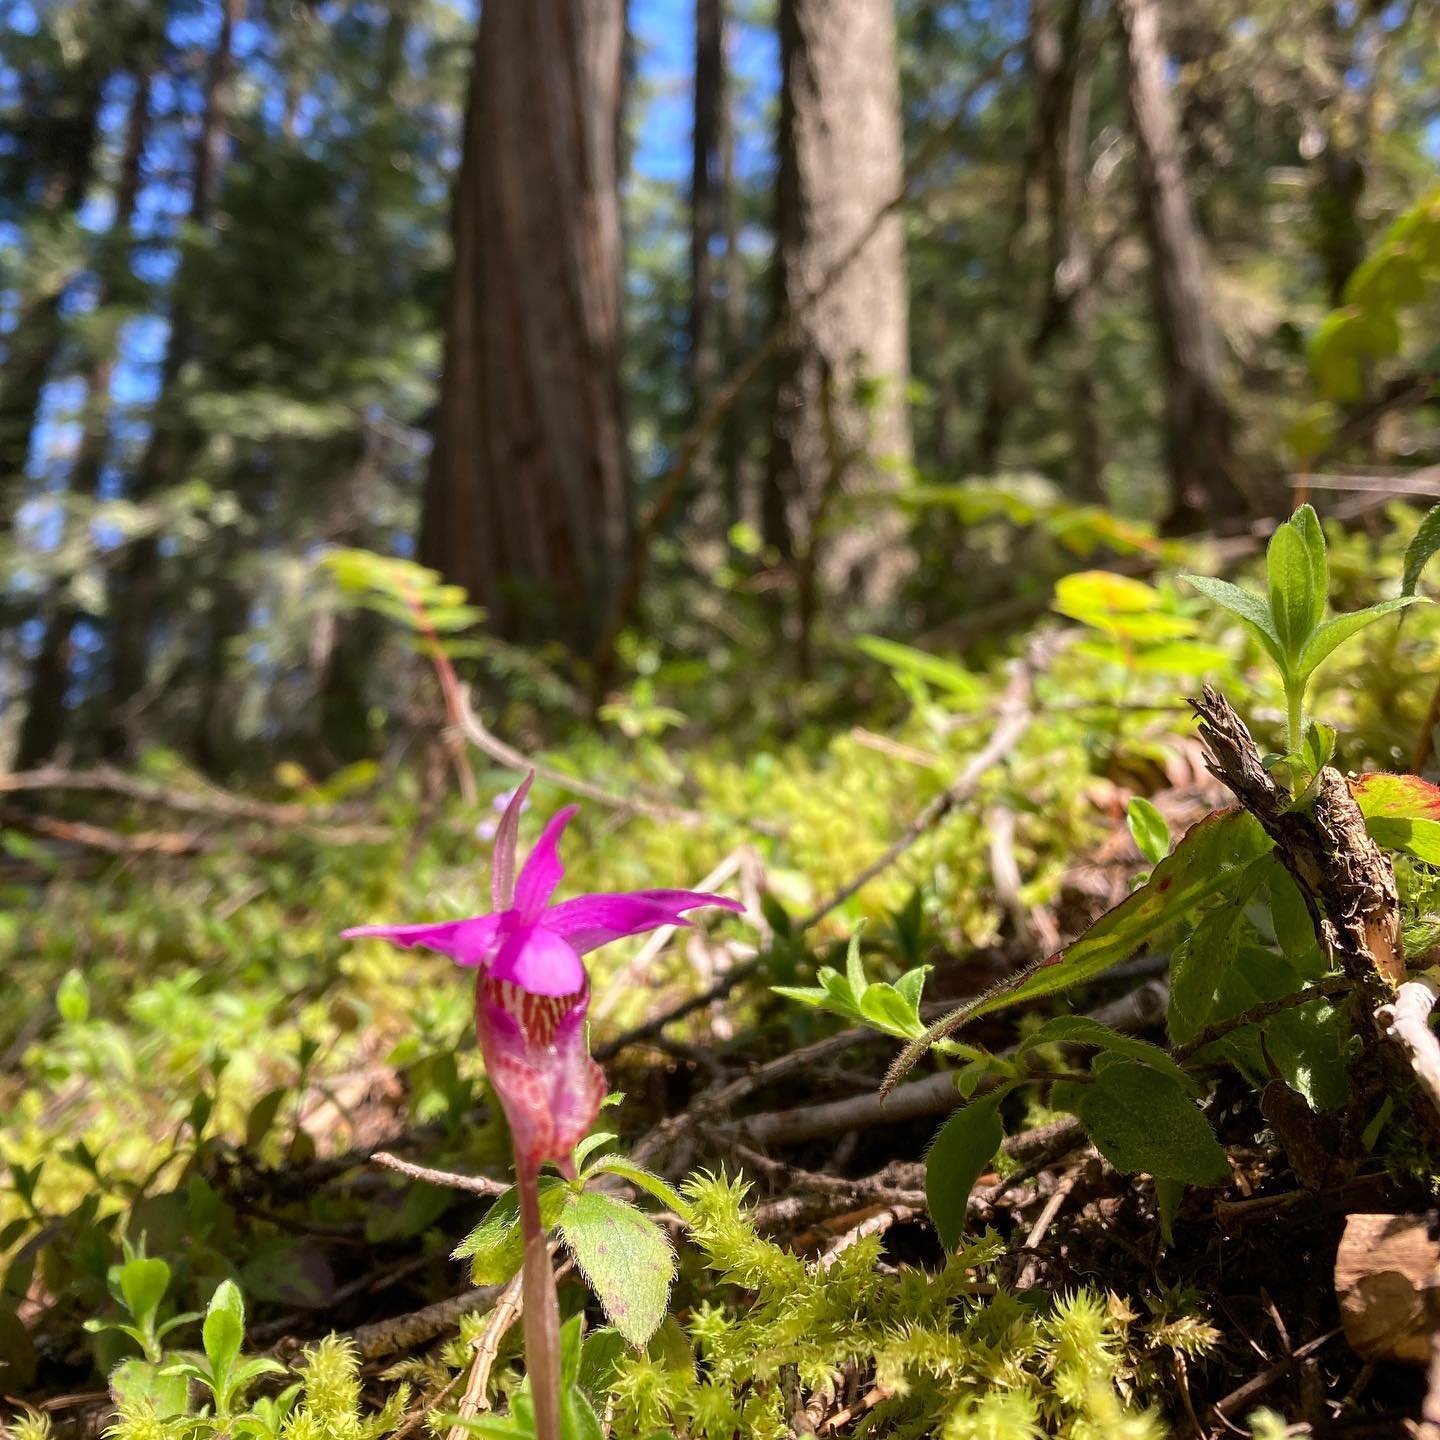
934, 1095
508, 756
1252, 1389
875, 1225
1328, 988
475, 1184
1014, 719
405, 1332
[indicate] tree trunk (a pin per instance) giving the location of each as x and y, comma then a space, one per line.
1200, 455
135, 590
839, 420
50, 675
528, 500
1053, 53
71, 137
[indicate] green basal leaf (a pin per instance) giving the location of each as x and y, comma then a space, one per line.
626, 1259
885, 1009
495, 1247
1306, 524
1305, 1045
590, 1144
1337, 630
962, 1149
854, 969
1421, 548
1143, 1121
1149, 829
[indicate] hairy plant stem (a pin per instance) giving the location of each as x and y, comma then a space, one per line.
541, 1311
1295, 700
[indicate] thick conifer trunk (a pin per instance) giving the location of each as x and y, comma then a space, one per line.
1199, 443
528, 501
839, 418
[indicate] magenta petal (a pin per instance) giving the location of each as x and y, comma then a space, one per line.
540, 962
543, 870
502, 858
590, 921
467, 942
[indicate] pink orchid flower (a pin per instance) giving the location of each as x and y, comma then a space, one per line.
532, 991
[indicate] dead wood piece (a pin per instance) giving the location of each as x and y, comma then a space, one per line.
1387, 1279
1347, 882
405, 1332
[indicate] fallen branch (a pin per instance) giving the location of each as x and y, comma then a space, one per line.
1406, 1022
405, 1332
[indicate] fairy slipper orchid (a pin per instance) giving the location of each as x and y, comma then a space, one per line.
532, 991
531, 998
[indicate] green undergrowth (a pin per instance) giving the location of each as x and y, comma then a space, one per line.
177, 1027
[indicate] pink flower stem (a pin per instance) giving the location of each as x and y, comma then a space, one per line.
541, 1310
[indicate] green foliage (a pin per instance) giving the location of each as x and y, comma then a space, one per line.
891, 1009
1393, 279
1291, 623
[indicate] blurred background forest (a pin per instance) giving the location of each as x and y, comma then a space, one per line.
686, 340
788, 419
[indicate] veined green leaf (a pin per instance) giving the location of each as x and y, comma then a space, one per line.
1420, 549
624, 1257
1141, 1120
1245, 606
1211, 859
1082, 1030
1337, 630
1380, 794
1148, 829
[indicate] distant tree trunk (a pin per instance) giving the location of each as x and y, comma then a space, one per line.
50, 675
1199, 427
839, 407
528, 500
739, 469
1053, 52
70, 139
135, 591
706, 196
1341, 131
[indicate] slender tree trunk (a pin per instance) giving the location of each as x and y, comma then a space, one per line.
50, 676
135, 592
839, 420
33, 343
1199, 446
706, 198
744, 500
528, 501
1054, 46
